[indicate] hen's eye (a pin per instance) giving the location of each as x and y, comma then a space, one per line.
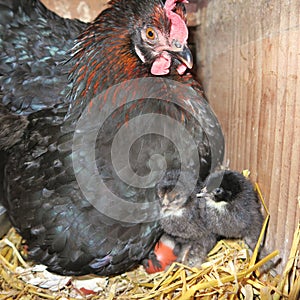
150, 33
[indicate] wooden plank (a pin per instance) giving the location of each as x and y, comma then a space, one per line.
250, 70
85, 10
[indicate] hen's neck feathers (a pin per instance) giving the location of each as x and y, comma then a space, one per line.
104, 54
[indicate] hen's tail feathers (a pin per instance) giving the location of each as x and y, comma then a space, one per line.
12, 128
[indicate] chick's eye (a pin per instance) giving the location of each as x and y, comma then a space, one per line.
218, 191
150, 33
177, 197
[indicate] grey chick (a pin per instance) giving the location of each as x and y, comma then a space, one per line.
230, 205
181, 219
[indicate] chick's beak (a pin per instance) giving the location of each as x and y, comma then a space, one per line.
182, 53
202, 193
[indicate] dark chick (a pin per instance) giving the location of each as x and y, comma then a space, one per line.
178, 214
51, 70
231, 207
181, 219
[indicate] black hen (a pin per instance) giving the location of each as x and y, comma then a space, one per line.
59, 155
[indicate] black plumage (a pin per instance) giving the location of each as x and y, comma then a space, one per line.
48, 83
34, 44
11, 128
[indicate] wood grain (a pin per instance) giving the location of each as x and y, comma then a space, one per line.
85, 10
250, 57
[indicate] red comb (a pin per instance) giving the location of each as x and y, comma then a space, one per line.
179, 29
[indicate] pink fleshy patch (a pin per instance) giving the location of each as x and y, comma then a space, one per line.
181, 69
161, 65
179, 29
178, 32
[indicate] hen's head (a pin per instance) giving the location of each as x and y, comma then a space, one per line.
131, 39
159, 36
158, 32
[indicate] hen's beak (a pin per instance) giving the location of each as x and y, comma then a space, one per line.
182, 53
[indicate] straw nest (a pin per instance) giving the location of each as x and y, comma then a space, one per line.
229, 273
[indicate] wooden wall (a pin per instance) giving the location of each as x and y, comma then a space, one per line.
249, 53
248, 58
86, 10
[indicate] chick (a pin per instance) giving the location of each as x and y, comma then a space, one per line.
227, 206
230, 205
181, 218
